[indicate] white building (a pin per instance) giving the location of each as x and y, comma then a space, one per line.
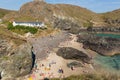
30, 24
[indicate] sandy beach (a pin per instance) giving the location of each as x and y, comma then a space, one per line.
48, 64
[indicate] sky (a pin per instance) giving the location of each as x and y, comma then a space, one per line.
98, 6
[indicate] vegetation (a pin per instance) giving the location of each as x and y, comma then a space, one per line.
3, 12
22, 29
88, 24
8, 35
90, 77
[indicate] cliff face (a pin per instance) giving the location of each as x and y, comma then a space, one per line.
15, 55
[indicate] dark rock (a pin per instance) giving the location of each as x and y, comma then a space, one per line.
74, 54
75, 64
68, 25
102, 45
103, 29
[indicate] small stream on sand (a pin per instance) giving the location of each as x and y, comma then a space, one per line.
111, 63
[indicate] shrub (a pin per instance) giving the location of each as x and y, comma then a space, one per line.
22, 29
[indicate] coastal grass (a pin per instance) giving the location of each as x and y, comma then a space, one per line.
48, 31
8, 35
3, 12
90, 77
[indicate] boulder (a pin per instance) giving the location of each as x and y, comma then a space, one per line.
74, 54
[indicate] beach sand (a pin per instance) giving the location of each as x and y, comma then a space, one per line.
49, 64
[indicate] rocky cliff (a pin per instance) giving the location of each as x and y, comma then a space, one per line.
15, 55
101, 45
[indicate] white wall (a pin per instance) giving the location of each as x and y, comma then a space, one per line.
28, 24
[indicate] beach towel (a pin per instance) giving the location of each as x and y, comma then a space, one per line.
30, 78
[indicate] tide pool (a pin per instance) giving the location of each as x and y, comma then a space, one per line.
109, 35
108, 62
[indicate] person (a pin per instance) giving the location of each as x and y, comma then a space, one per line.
72, 68
42, 64
49, 64
61, 70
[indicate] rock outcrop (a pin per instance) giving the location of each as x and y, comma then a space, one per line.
67, 25
101, 45
74, 54
18, 63
104, 29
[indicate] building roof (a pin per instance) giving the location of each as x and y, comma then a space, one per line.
30, 22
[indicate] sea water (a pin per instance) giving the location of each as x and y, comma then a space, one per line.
109, 62
109, 35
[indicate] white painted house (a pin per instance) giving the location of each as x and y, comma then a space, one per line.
30, 24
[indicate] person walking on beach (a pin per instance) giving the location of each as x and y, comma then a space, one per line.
72, 68
61, 72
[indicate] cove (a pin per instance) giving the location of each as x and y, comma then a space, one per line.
108, 62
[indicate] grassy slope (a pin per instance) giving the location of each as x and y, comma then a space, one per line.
91, 77
112, 15
3, 12
77, 12
8, 35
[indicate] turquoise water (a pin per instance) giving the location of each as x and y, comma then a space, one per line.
109, 35
109, 62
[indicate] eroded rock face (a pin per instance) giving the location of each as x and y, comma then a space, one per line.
5, 47
67, 25
74, 54
17, 64
102, 45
